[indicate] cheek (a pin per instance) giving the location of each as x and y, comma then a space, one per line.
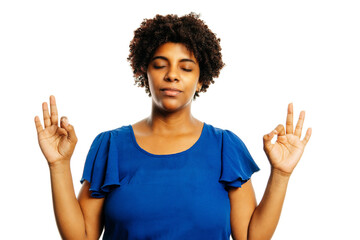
152, 80
196, 81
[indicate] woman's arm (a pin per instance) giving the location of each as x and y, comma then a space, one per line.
259, 222
242, 206
92, 209
68, 214
249, 221
76, 218
58, 144
267, 214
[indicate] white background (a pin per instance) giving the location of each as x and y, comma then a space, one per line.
276, 52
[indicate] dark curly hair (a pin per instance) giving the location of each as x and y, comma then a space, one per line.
189, 30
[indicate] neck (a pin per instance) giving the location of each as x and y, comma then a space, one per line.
168, 123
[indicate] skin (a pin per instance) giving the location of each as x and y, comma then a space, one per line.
76, 218
170, 128
249, 221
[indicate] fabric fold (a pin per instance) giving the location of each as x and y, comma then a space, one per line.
237, 163
101, 168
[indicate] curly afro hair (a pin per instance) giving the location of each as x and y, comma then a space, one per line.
189, 30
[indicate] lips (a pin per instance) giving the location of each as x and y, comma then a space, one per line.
170, 91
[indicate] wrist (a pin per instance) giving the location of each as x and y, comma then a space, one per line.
281, 174
59, 165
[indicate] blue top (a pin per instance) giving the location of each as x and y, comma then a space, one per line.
173, 196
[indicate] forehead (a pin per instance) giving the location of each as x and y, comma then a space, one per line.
174, 51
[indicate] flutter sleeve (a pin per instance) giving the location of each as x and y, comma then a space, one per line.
101, 166
237, 163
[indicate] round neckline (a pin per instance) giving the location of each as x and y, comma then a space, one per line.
166, 155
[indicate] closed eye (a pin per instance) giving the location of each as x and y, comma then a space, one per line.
158, 67
187, 70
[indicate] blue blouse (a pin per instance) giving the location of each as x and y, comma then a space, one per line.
173, 196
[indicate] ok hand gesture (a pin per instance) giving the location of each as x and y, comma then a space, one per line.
286, 152
56, 143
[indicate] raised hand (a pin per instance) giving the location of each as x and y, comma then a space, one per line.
56, 143
286, 152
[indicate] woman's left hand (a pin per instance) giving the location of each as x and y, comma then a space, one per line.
286, 152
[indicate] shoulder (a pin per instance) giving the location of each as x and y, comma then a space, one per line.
116, 131
222, 132
213, 129
112, 134
229, 141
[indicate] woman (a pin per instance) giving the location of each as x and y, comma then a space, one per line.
169, 176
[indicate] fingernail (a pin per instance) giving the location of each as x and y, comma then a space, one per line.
65, 121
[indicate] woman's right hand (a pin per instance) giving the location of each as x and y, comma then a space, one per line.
56, 143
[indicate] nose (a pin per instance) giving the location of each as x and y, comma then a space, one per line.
172, 75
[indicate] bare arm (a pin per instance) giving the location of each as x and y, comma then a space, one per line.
73, 217
249, 221
68, 214
267, 214
242, 206
92, 209
76, 218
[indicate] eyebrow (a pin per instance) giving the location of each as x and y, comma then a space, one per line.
182, 60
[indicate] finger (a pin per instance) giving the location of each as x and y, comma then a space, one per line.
299, 125
307, 136
289, 120
38, 125
280, 129
53, 110
268, 137
69, 128
62, 131
46, 115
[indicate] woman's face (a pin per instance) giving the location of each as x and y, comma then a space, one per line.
173, 77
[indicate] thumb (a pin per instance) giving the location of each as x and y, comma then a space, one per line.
69, 129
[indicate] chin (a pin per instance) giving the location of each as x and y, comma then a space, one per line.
171, 106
